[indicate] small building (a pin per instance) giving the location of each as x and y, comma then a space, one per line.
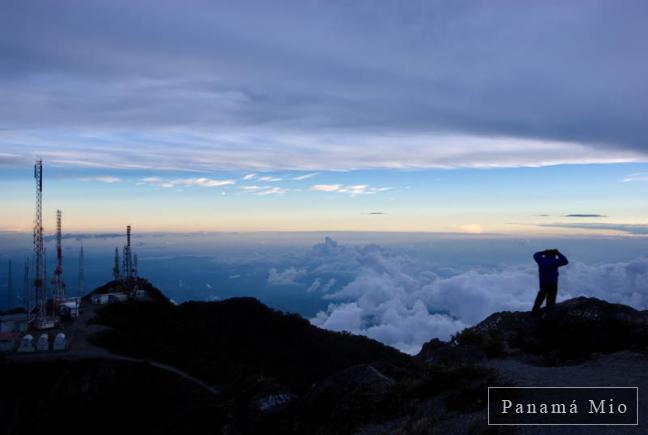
43, 343
108, 298
27, 344
44, 324
14, 322
60, 343
69, 308
9, 341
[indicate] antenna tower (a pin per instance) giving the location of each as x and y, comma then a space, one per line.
39, 265
59, 284
27, 299
116, 273
128, 262
10, 300
81, 271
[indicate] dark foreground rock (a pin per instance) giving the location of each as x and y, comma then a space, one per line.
275, 373
569, 332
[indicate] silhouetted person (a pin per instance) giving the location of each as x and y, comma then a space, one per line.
548, 261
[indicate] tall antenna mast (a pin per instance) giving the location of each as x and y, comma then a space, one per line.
27, 299
128, 261
39, 265
116, 273
81, 271
59, 285
10, 301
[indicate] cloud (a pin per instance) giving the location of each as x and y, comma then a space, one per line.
270, 179
325, 187
272, 191
471, 229
376, 213
251, 188
305, 176
330, 85
10, 159
625, 228
317, 285
636, 177
404, 302
249, 177
104, 179
585, 215
287, 277
201, 181
352, 190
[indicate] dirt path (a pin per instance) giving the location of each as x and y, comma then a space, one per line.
82, 348
622, 369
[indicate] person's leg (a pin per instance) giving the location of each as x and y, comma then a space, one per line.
539, 299
552, 291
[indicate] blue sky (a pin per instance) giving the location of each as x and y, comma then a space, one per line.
471, 117
565, 199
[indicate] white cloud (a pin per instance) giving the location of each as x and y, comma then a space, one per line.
305, 176
249, 177
325, 187
287, 277
317, 285
272, 191
352, 190
104, 179
636, 177
201, 181
205, 150
471, 229
404, 303
269, 179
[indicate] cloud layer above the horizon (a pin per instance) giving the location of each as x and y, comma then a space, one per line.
323, 84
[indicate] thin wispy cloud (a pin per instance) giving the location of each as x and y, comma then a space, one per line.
352, 190
104, 179
272, 191
202, 182
636, 177
305, 176
249, 177
585, 215
638, 229
325, 187
251, 188
269, 179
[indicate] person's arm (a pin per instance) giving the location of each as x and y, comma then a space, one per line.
538, 256
562, 260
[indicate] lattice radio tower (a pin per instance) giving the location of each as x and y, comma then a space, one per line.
10, 295
39, 265
127, 272
116, 270
27, 297
81, 271
57, 280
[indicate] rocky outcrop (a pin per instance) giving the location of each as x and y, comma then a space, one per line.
571, 331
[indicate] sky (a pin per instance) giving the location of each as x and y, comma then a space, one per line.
381, 167
459, 117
